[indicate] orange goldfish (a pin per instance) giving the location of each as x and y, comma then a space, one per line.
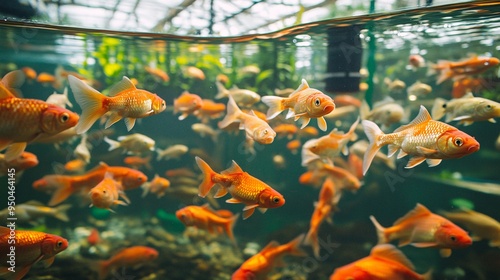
342, 178
304, 102
460, 69
29, 72
124, 101
329, 146
76, 165
132, 256
308, 132
180, 172
423, 138
138, 162
46, 78
157, 186
63, 186
422, 228
416, 61
158, 74
94, 237
194, 72
286, 129
323, 208
481, 225
384, 262
106, 193
243, 188
293, 145
25, 161
254, 127
187, 103
259, 265
210, 110
346, 100
466, 85
202, 217
20, 249
24, 120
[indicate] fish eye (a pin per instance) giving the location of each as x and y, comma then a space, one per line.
453, 238
444, 106
64, 117
317, 102
104, 191
276, 199
59, 244
139, 179
488, 106
265, 131
459, 142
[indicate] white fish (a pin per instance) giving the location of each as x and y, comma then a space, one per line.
60, 100
205, 130
175, 151
133, 144
243, 97
82, 149
467, 109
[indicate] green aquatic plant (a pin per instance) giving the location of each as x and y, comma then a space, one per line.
462, 203
170, 221
100, 214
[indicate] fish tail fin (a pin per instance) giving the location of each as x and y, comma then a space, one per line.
221, 91
230, 226
312, 240
60, 212
294, 246
207, 183
428, 275
232, 115
382, 236
91, 102
275, 104
63, 191
445, 75
438, 110
103, 271
373, 133
112, 143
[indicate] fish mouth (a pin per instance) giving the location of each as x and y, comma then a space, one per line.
473, 148
328, 109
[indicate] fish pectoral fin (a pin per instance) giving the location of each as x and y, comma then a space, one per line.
129, 122
247, 213
305, 122
322, 123
431, 162
414, 161
14, 151
426, 151
112, 119
401, 154
183, 116
424, 244
262, 210
48, 262
445, 253
233, 200
220, 192
290, 114
4, 143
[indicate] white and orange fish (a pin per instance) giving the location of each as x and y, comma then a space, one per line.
424, 139
255, 128
467, 109
304, 102
424, 229
243, 188
105, 194
124, 101
187, 103
461, 69
25, 120
243, 97
157, 186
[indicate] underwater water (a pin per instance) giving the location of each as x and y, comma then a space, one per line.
278, 61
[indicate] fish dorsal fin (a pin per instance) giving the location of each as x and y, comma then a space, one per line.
386, 100
419, 210
12, 82
389, 252
34, 203
271, 245
422, 117
5, 93
234, 168
123, 85
304, 85
252, 113
468, 95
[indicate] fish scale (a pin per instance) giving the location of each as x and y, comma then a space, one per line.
130, 104
246, 188
21, 118
30, 248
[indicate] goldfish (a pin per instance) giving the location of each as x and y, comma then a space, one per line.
25, 161
93, 237
30, 247
304, 102
60, 100
394, 85
158, 74
385, 112
470, 66
342, 177
31, 210
293, 146
106, 193
465, 85
308, 131
24, 120
132, 257
384, 262
75, 166
341, 112
418, 89
283, 92
424, 139
286, 129
209, 110
46, 78
174, 151
202, 217
258, 266
360, 147
29, 72
124, 101
279, 162
249, 69
323, 209
82, 149
466, 110
187, 103
242, 97
138, 162
157, 186
205, 130
329, 146
255, 128
355, 165
222, 78
416, 61
422, 228
481, 225
243, 188
135, 144
194, 72
342, 100
180, 172
63, 186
